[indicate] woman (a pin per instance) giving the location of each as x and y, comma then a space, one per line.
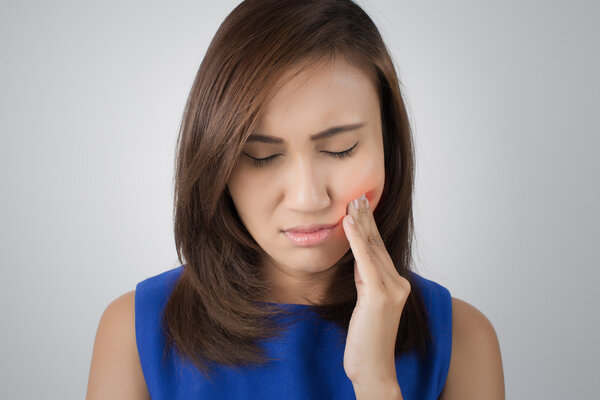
293, 212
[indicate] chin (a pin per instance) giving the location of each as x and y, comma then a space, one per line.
306, 265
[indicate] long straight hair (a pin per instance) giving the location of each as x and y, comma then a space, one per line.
216, 312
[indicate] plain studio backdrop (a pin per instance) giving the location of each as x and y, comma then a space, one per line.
503, 98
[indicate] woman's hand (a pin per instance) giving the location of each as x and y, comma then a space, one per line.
369, 353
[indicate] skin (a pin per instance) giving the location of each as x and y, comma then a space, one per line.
115, 371
306, 185
381, 294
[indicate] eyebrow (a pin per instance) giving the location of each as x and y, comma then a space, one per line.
257, 137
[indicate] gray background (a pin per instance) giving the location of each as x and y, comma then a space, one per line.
503, 98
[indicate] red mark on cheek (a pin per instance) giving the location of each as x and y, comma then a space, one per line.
370, 195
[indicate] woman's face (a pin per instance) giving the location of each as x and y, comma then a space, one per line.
303, 184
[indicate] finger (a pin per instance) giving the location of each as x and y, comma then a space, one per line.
367, 222
364, 259
385, 277
371, 235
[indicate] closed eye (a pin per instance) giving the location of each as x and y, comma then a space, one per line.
261, 162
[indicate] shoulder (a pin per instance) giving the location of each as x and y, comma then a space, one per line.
436, 297
115, 370
159, 286
476, 364
438, 305
151, 296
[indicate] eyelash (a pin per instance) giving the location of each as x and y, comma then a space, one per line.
261, 162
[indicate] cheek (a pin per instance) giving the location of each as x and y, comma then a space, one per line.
238, 190
365, 177
249, 202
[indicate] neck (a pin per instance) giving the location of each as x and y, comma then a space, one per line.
296, 287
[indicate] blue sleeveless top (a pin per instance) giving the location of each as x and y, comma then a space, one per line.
311, 360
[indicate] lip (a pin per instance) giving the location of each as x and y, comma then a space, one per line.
310, 228
313, 238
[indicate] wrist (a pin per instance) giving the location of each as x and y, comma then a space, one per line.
377, 390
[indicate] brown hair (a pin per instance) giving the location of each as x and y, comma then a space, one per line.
216, 312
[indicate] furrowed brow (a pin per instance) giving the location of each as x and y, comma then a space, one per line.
257, 137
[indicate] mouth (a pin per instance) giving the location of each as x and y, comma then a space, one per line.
313, 237
310, 228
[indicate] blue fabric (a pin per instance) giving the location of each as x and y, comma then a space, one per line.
311, 365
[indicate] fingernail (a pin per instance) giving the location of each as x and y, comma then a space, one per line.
355, 203
351, 220
364, 197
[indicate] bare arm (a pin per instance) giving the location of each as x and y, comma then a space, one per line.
115, 371
476, 363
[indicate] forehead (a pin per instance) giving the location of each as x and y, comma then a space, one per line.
307, 98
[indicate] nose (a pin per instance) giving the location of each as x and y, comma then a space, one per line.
306, 188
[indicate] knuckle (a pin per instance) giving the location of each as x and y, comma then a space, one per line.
369, 255
405, 283
403, 289
375, 240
